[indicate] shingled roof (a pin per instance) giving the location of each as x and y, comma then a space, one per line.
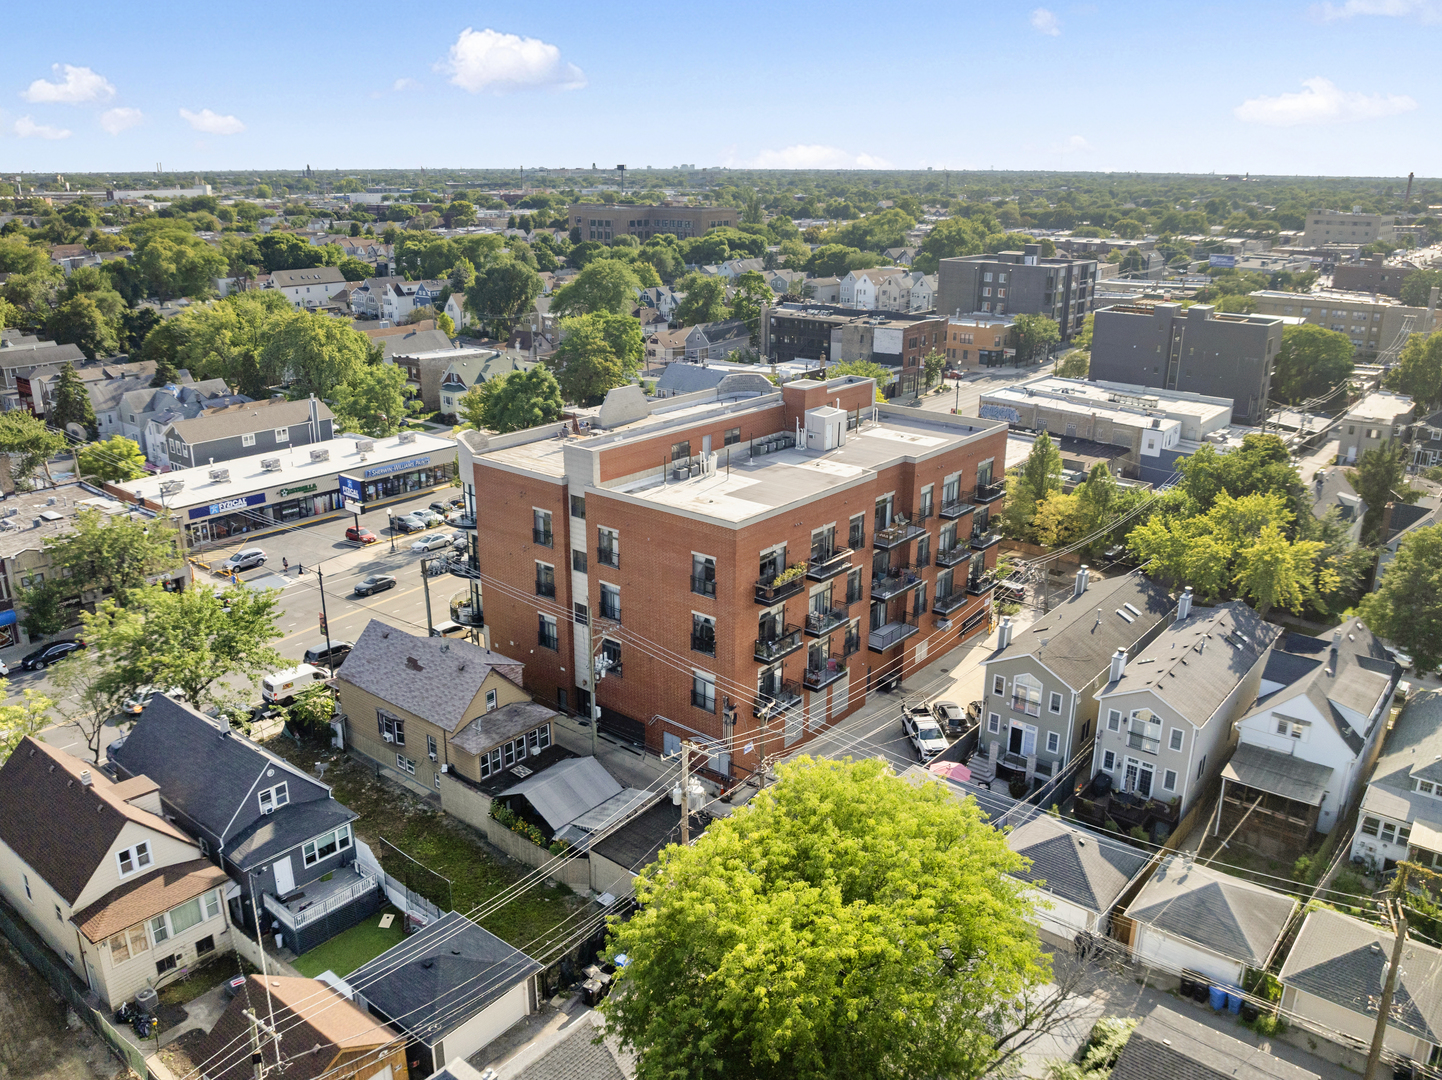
1073, 864
1169, 1046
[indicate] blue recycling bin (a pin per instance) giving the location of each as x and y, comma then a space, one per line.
1234, 1002
1219, 998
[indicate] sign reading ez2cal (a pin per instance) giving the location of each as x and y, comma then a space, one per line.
240, 502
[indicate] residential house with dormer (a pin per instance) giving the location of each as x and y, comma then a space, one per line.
718, 340
470, 367
1401, 811
308, 289
242, 430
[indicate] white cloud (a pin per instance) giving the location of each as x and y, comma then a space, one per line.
1045, 22
489, 60
212, 123
1427, 11
405, 84
1321, 103
1076, 144
78, 85
117, 120
29, 129
816, 156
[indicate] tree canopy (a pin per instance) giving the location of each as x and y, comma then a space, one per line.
605, 285
597, 352
1313, 361
372, 401
705, 299
115, 459
514, 401
1406, 605
1419, 369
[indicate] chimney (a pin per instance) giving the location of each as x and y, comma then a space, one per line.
1332, 658
1384, 530
1003, 633
85, 780
1184, 605
1082, 576
1119, 665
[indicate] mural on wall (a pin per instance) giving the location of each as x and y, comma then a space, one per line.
989, 411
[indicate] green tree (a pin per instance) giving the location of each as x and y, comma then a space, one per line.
1418, 285
1419, 369
751, 296
111, 555
705, 299
352, 269
115, 459
70, 404
79, 321
1312, 361
788, 940
1274, 571
1074, 365
1034, 334
505, 288
1405, 608
312, 710
514, 401
948, 239
445, 324
135, 324
372, 401
1029, 485
1379, 478
605, 285
863, 369
225, 340
19, 720
834, 260
932, 365
30, 443
597, 352
319, 353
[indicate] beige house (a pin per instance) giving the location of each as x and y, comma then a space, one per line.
121, 894
423, 706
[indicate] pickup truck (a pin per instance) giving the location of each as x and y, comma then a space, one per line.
924, 732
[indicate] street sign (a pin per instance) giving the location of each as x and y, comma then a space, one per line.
353, 507
322, 623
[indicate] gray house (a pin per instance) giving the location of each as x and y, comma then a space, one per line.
1169, 710
1333, 493
718, 340
1018, 282
140, 409
237, 431
1177, 1047
281, 835
1040, 707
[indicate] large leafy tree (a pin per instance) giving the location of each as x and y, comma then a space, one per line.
1419, 369
751, 296
1035, 334
1406, 606
372, 401
515, 401
1029, 485
70, 404
30, 443
846, 922
17, 720
318, 352
79, 321
111, 554
1379, 478
1261, 465
226, 340
705, 299
115, 459
1313, 361
605, 285
597, 353
500, 293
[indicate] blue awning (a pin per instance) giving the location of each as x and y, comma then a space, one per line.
8, 618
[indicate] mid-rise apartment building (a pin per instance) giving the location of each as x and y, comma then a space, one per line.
1375, 275
1338, 227
741, 566
1195, 349
1371, 321
599, 221
1018, 283
817, 332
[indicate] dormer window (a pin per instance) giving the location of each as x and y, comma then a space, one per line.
133, 858
1427, 787
271, 799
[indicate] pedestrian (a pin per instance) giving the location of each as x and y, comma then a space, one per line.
284, 565
299, 569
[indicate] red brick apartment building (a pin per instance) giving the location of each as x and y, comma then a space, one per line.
742, 566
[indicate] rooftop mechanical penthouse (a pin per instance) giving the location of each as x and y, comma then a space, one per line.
741, 566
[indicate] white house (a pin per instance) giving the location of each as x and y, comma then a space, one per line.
310, 288
455, 308
860, 288
1190, 917
1401, 815
1079, 875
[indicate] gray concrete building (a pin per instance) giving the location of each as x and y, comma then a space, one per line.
1018, 283
1196, 349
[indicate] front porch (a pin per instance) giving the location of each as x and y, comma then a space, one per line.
320, 909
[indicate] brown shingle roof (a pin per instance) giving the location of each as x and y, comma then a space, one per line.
42, 800
153, 893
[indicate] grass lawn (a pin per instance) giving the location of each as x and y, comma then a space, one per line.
435, 839
205, 978
349, 950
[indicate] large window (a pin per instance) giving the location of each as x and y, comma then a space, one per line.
129, 943
545, 579
1026, 695
541, 528
133, 858
547, 637
611, 602
611, 657
703, 575
703, 691
703, 634
392, 728
608, 547
323, 847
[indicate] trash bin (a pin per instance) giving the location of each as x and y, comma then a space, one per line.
1199, 994
1250, 1012
1219, 998
147, 1001
1234, 1002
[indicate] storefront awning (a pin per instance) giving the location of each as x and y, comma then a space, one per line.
8, 618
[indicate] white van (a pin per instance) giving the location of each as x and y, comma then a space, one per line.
281, 688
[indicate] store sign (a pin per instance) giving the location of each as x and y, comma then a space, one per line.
299, 489
351, 489
240, 502
399, 466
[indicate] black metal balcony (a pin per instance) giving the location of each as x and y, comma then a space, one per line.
772, 702
945, 605
545, 588
465, 611
986, 493
609, 556
542, 537
776, 589
892, 581
978, 618
770, 649
897, 533
983, 539
953, 555
897, 630
981, 584
702, 586
826, 567
821, 623
610, 612
955, 509
466, 521
922, 558
822, 677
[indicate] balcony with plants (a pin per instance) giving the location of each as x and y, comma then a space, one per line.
772, 647
822, 622
899, 532
890, 581
789, 582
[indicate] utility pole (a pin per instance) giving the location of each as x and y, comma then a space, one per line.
685, 794
1384, 1009
324, 619
257, 1059
426, 585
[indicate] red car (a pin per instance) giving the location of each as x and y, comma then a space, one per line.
361, 536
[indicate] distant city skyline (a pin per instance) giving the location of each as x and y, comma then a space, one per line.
1332, 89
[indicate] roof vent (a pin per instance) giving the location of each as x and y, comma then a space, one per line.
405, 437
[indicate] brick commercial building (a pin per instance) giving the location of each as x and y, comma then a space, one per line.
598, 221
1372, 322
1018, 283
1193, 349
1338, 227
732, 584
820, 332
1375, 275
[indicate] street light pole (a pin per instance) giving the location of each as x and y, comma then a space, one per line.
391, 515
324, 619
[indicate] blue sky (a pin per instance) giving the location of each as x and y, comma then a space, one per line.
1349, 87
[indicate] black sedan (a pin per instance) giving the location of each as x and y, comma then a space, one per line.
332, 658
374, 583
46, 655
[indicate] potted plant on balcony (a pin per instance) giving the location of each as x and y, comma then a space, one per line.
787, 576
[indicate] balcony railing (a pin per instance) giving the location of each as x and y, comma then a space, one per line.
892, 581
609, 556
776, 699
1137, 741
548, 641
542, 537
955, 509
704, 643
363, 884
827, 566
884, 637
820, 623
818, 677
982, 539
986, 493
773, 591
703, 586
953, 555
980, 617
769, 649
945, 605
465, 611
611, 612
545, 588
465, 521
981, 585
898, 532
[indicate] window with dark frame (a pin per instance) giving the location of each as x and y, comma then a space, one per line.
703, 575
578, 506
611, 657
732, 437
393, 726
703, 634
547, 636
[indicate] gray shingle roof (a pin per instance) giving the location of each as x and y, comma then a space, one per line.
1413, 748
572, 1053
1078, 646
1333, 489
318, 275
437, 979
431, 677
681, 378
247, 418
1342, 960
1073, 864
1169, 1046
566, 790
422, 341
493, 728
1232, 917
1278, 773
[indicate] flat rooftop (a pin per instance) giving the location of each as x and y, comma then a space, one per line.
1381, 405
28, 518
1336, 296
1128, 400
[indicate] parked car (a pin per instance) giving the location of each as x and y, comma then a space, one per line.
442, 507
361, 535
244, 559
332, 657
1012, 591
281, 688
46, 655
4, 668
950, 715
136, 704
411, 523
434, 542
374, 583
923, 731
450, 629
430, 517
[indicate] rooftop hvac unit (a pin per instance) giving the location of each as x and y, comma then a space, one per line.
406, 437
270, 464
365, 446
220, 476
319, 455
